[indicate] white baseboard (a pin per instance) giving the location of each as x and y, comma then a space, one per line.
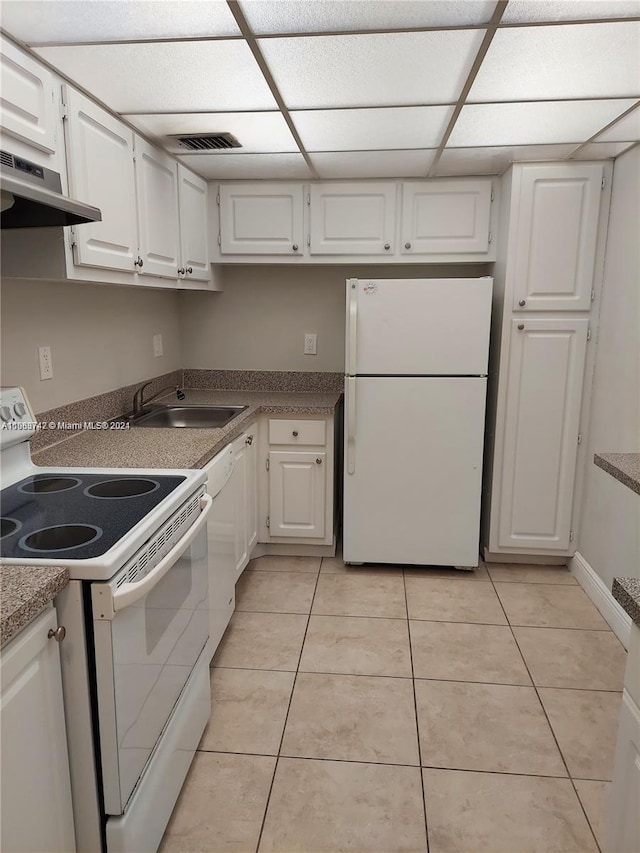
594, 586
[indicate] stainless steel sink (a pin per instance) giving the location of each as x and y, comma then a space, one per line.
198, 417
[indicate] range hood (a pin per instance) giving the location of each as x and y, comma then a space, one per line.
32, 197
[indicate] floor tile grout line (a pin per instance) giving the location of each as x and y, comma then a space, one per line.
286, 716
544, 711
415, 708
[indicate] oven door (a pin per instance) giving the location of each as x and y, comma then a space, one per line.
151, 623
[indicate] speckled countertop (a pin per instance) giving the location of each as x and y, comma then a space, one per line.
625, 467
25, 591
626, 592
139, 447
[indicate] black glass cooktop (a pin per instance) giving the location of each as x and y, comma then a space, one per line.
75, 517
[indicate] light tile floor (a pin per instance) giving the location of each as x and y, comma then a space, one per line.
384, 710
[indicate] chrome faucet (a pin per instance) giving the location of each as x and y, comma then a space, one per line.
138, 398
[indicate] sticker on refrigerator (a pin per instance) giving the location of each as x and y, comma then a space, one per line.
370, 287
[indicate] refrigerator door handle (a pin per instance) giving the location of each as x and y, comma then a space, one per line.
351, 425
353, 325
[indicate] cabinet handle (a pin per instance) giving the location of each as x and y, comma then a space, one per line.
57, 634
189, 270
521, 326
522, 303
318, 461
295, 247
407, 245
248, 439
139, 262
387, 246
181, 271
295, 433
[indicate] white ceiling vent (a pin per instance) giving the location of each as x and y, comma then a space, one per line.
206, 141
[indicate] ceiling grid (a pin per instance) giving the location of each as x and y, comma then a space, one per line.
354, 88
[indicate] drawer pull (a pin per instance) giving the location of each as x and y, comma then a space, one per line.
57, 634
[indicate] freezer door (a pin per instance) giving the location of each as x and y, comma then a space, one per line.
418, 327
416, 457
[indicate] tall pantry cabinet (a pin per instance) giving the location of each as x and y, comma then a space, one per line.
546, 296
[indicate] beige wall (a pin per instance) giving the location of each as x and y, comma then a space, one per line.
100, 337
610, 524
259, 320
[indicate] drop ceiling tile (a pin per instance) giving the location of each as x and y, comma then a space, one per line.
166, 76
231, 166
493, 161
625, 130
564, 61
373, 164
293, 16
602, 150
371, 70
533, 123
257, 132
370, 129
73, 21
523, 11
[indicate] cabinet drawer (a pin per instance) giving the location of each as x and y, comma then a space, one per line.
297, 432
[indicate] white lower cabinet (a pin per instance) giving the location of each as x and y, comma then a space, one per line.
541, 432
298, 490
36, 789
243, 480
623, 830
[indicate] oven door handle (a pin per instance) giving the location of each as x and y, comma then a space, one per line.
130, 592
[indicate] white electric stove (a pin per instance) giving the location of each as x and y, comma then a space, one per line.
135, 658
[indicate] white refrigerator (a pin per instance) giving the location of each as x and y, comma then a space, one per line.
416, 381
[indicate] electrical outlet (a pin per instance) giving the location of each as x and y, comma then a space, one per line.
46, 365
158, 349
310, 343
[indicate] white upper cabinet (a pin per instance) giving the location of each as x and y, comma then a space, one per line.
263, 219
554, 245
101, 171
445, 217
194, 251
158, 222
353, 219
30, 103
540, 445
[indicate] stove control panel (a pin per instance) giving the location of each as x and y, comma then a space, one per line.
17, 421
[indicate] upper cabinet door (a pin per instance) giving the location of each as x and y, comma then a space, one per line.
158, 225
261, 219
192, 193
555, 238
100, 168
446, 217
353, 219
29, 102
542, 418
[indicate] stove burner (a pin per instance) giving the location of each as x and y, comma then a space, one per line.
62, 537
9, 526
128, 488
48, 485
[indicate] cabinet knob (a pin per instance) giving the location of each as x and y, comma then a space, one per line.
295, 433
139, 262
521, 326
57, 634
522, 303
318, 461
248, 439
181, 271
189, 270
295, 247
407, 245
387, 246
